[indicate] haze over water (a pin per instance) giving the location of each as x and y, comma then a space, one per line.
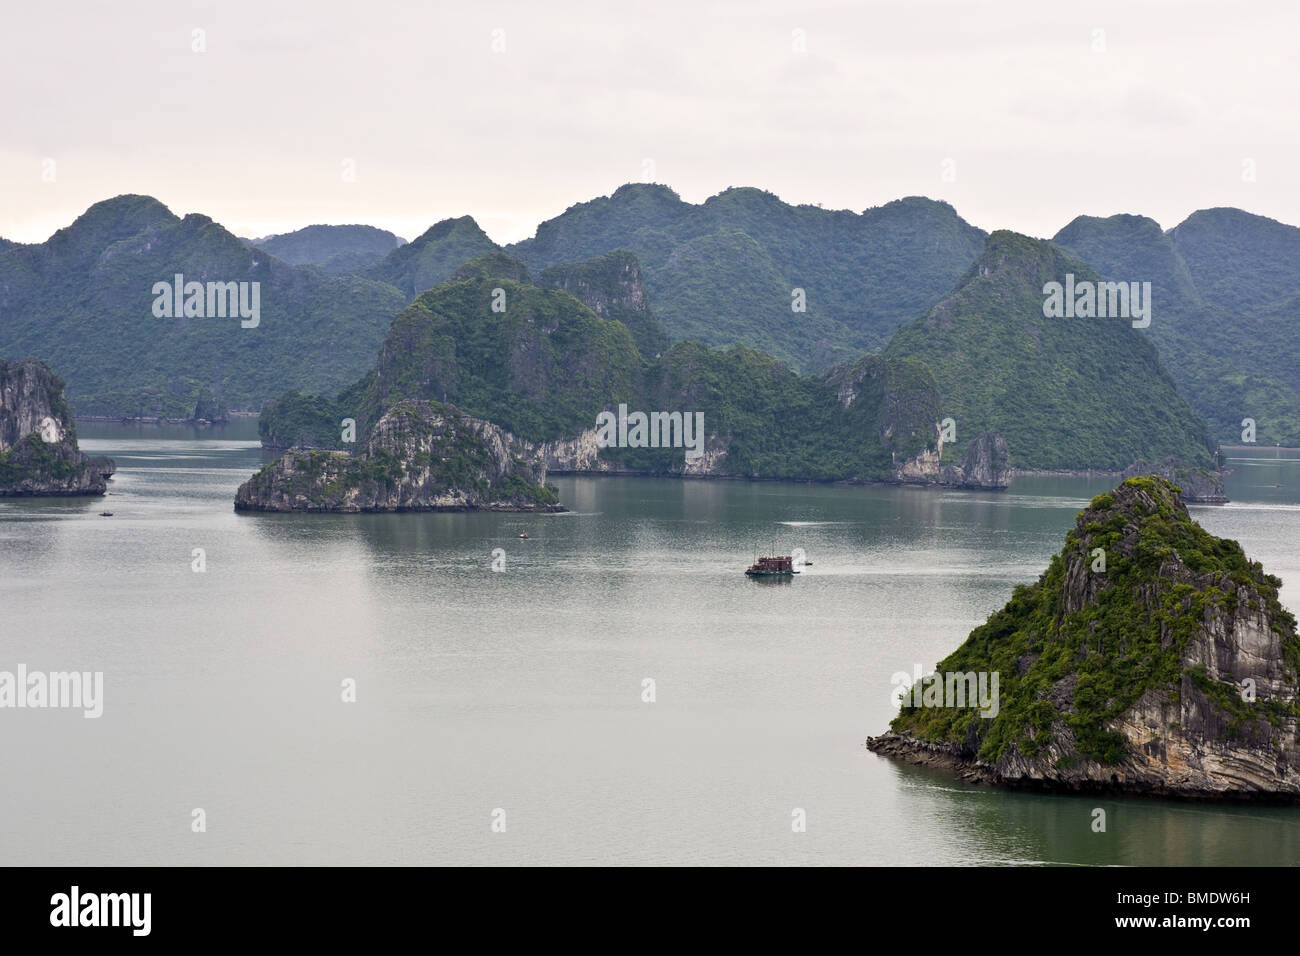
522, 690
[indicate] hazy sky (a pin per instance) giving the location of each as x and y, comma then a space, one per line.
1022, 114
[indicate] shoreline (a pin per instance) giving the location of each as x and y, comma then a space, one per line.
1258, 448
159, 420
435, 509
908, 750
880, 482
830, 482
1064, 473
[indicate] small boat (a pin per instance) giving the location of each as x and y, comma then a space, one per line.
523, 534
781, 565
106, 514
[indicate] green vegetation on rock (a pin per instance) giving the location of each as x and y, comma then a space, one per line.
432, 258
38, 437
723, 272
1226, 315
1079, 648
335, 250
545, 365
421, 456
611, 286
1066, 393
32, 457
540, 367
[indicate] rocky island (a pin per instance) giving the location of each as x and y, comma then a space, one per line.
544, 359
420, 456
38, 439
1150, 658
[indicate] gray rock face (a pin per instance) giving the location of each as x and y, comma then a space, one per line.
985, 465
38, 439
619, 288
611, 286
924, 467
32, 399
105, 466
420, 456
1198, 484
581, 456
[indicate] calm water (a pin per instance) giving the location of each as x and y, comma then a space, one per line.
522, 690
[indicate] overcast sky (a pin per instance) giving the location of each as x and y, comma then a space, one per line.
1022, 114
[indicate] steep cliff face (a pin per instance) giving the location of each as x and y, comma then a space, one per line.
580, 455
1151, 657
987, 464
899, 401
896, 398
923, 468
420, 456
38, 439
210, 409
611, 286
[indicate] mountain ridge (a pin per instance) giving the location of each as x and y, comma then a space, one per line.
84, 301
1065, 393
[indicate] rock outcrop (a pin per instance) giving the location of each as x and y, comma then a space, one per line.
1197, 484
1150, 658
611, 286
986, 464
580, 456
104, 465
420, 456
38, 438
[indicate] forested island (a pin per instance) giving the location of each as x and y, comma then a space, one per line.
1149, 658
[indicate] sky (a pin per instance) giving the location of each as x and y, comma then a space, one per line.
268, 116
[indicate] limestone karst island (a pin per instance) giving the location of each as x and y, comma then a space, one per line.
1150, 658
38, 439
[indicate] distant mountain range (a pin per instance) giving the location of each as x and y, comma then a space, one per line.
332, 249
1226, 321
545, 365
724, 272
1062, 395
83, 302
905, 278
